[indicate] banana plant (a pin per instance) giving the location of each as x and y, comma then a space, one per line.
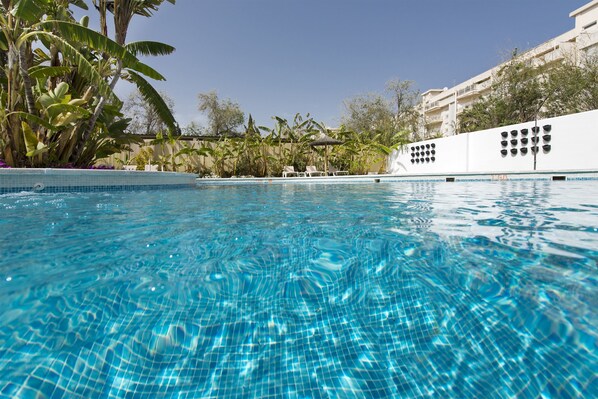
168, 141
58, 114
123, 12
221, 153
111, 137
185, 156
76, 54
60, 109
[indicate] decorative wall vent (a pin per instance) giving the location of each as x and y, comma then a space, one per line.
523, 149
423, 153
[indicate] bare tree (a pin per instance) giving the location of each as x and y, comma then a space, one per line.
404, 99
390, 118
144, 118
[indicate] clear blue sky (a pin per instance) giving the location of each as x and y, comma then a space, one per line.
280, 57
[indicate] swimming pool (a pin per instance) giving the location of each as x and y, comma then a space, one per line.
449, 290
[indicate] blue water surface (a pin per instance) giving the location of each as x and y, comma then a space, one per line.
392, 290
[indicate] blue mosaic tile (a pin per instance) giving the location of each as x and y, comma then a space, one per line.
399, 290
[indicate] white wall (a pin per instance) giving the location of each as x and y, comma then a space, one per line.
573, 146
585, 14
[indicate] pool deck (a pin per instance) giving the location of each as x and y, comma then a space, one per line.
555, 175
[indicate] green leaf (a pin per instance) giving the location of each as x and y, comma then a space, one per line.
118, 127
65, 119
145, 69
102, 43
29, 10
57, 109
77, 101
40, 56
155, 100
34, 146
382, 149
89, 37
46, 100
3, 42
35, 120
84, 67
44, 72
80, 4
148, 48
61, 89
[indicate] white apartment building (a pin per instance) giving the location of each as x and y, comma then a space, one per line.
440, 108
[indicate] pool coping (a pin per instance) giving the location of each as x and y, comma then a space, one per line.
82, 180
551, 175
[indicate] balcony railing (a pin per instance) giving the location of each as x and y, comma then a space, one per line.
432, 105
468, 90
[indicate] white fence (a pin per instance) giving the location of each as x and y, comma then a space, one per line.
565, 143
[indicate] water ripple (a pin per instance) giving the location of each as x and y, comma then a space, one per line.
389, 290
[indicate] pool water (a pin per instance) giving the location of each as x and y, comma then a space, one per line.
406, 290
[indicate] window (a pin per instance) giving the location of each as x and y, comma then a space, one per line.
590, 25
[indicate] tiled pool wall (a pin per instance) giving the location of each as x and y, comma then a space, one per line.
61, 180
76, 180
554, 175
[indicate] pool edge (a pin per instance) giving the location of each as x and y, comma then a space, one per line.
61, 180
551, 175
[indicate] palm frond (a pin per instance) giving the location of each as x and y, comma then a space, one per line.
39, 56
85, 68
44, 72
144, 69
89, 37
155, 100
102, 43
148, 48
80, 4
34, 119
29, 10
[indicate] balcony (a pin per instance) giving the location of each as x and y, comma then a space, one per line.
434, 118
468, 91
432, 106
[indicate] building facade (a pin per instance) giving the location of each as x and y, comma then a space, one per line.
440, 108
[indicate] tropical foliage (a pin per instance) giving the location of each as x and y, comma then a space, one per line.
144, 119
389, 119
58, 77
524, 90
262, 151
